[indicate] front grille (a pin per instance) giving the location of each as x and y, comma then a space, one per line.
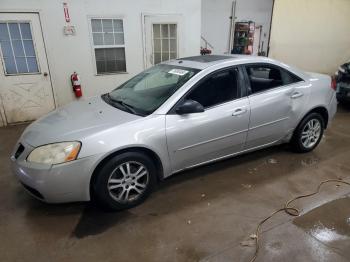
33, 191
19, 151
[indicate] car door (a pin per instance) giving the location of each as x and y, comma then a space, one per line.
218, 131
276, 98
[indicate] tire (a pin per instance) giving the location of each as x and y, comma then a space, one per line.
114, 188
311, 127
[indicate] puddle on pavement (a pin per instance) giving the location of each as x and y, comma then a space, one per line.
330, 224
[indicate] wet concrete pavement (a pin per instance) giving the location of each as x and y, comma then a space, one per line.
329, 224
200, 215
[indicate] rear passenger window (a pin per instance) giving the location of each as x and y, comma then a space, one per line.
264, 77
289, 78
217, 89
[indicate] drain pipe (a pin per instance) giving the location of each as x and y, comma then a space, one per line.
232, 27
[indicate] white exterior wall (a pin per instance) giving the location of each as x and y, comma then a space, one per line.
216, 22
311, 34
67, 54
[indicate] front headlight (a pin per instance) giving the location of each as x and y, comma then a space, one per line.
55, 153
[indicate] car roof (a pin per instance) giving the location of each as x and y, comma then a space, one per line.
203, 61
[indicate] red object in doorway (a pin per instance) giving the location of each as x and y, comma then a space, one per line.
205, 51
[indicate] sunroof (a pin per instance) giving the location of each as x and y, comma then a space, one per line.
205, 58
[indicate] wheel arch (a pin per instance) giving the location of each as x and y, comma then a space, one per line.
322, 110
139, 149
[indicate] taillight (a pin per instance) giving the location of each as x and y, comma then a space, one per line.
334, 83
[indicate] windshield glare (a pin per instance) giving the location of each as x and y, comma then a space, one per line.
151, 88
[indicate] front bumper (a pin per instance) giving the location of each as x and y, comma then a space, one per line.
67, 182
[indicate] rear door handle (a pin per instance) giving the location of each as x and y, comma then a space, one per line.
296, 95
239, 111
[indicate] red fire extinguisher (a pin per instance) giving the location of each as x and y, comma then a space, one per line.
76, 84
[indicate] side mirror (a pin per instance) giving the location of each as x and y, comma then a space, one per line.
188, 107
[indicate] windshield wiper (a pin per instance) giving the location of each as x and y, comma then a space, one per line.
114, 102
130, 108
126, 106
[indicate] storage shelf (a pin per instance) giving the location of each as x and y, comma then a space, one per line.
248, 38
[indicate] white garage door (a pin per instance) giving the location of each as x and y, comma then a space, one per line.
25, 83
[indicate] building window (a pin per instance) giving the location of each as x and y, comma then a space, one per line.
164, 42
109, 46
17, 48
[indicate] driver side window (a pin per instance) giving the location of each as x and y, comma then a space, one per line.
221, 87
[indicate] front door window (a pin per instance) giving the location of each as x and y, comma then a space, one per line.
219, 88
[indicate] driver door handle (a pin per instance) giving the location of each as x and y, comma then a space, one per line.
296, 95
239, 111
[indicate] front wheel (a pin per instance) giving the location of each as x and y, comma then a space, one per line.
308, 134
124, 181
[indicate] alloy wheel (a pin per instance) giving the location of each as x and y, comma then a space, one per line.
128, 181
311, 133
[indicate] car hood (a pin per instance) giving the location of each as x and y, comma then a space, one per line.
75, 121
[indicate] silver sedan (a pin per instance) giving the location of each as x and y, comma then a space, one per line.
176, 115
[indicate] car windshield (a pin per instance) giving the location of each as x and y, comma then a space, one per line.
147, 91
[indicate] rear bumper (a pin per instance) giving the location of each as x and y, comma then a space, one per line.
68, 182
342, 97
343, 92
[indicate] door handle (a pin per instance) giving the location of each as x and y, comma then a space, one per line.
296, 95
239, 111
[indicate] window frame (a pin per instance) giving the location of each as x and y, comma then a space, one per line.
93, 46
240, 81
34, 46
247, 80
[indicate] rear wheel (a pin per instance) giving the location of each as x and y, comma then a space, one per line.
124, 181
308, 134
